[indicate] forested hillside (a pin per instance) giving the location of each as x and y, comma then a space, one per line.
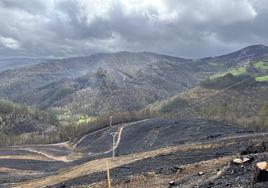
16, 120
237, 100
61, 99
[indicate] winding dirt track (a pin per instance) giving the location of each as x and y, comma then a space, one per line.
45, 156
27, 157
48, 156
16, 171
116, 144
99, 165
41, 155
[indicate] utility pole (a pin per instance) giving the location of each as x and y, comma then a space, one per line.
113, 135
111, 120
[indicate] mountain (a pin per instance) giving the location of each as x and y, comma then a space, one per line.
122, 81
15, 63
240, 57
101, 82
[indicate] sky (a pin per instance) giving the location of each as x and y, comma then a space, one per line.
185, 28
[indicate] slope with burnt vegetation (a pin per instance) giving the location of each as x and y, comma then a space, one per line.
121, 81
235, 99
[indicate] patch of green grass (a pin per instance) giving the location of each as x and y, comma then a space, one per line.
238, 71
235, 71
261, 65
262, 78
85, 119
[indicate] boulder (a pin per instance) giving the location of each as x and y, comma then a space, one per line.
201, 173
242, 160
172, 183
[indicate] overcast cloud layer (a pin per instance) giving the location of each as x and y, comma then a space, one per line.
187, 28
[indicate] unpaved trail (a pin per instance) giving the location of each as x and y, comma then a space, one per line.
27, 157
49, 156
116, 144
62, 144
122, 126
99, 164
19, 172
46, 156
83, 138
67, 159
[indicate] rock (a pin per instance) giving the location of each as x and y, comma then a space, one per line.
219, 173
172, 183
238, 161
261, 172
201, 173
243, 160
248, 159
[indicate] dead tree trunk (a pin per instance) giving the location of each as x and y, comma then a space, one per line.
261, 172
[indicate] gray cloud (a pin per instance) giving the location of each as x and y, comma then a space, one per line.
192, 28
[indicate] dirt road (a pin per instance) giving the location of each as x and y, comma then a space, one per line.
99, 164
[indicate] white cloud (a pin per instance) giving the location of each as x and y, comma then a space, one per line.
156, 10
93, 9
9, 43
177, 27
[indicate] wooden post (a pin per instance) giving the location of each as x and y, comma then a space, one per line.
108, 174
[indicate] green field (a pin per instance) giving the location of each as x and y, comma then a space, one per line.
235, 72
261, 65
85, 119
67, 118
262, 78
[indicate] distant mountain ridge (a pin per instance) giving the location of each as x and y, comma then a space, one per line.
125, 80
15, 63
122, 81
254, 52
